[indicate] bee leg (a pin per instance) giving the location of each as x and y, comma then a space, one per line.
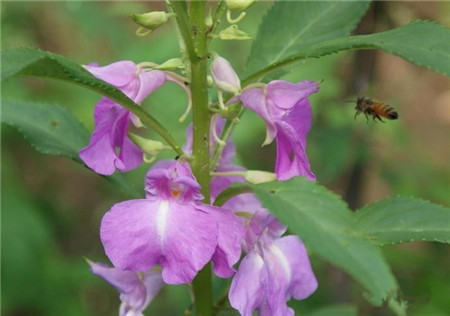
378, 117
367, 118
356, 114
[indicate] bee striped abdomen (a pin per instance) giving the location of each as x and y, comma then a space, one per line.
376, 109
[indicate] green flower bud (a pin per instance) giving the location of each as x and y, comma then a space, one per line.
148, 146
151, 20
238, 5
209, 20
257, 176
173, 63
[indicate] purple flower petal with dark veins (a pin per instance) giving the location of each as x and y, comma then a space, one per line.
137, 289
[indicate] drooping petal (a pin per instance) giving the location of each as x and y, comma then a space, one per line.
255, 100
300, 118
291, 158
149, 285
118, 74
229, 239
303, 282
278, 280
247, 285
123, 280
100, 155
130, 155
137, 289
149, 81
138, 234
102, 108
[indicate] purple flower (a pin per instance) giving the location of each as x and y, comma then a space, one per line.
274, 270
137, 289
286, 110
172, 228
110, 148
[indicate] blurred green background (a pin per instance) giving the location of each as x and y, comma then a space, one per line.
52, 207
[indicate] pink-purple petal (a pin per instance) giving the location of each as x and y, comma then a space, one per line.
149, 81
130, 155
100, 154
247, 286
291, 158
255, 100
118, 74
137, 289
138, 234
300, 118
285, 94
229, 239
303, 281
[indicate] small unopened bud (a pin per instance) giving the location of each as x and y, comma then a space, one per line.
224, 77
173, 63
151, 20
209, 20
257, 176
148, 146
238, 5
233, 33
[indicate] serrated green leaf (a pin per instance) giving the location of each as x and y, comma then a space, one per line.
38, 63
290, 26
51, 129
424, 43
404, 219
326, 226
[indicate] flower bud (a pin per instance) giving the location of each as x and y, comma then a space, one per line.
151, 20
148, 146
257, 176
209, 20
224, 77
233, 33
173, 63
238, 5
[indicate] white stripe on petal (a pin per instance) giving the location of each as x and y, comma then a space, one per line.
282, 259
161, 219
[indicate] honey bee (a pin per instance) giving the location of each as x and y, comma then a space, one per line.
375, 108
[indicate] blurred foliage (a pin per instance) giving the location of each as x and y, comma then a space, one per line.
52, 207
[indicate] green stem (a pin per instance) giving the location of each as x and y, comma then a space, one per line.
193, 31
